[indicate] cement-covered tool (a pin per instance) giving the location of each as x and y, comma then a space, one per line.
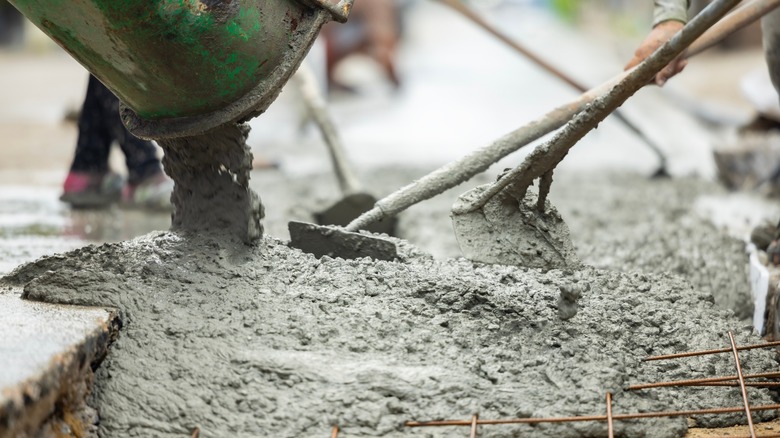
478, 161
323, 240
355, 200
184, 68
481, 216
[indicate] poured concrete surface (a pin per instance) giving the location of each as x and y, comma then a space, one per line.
33, 222
268, 341
450, 104
46, 357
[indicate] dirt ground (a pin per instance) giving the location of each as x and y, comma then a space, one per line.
769, 428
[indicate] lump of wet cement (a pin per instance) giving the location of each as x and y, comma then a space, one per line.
508, 232
267, 341
567, 301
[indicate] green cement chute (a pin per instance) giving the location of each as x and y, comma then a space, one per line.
180, 66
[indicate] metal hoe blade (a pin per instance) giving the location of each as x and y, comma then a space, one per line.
352, 206
336, 242
505, 232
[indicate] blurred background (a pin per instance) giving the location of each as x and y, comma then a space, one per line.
411, 83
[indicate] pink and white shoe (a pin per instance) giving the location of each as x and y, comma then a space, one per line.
92, 190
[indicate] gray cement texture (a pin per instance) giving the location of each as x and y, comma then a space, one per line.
631, 223
240, 340
211, 175
625, 222
266, 340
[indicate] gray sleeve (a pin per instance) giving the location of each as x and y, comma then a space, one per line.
670, 10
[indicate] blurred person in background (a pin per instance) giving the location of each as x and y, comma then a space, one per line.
90, 182
374, 30
669, 17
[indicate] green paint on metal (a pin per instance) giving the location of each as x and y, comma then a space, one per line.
172, 58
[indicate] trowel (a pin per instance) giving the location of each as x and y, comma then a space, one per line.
506, 222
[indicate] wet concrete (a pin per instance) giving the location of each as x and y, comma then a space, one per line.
618, 221
211, 176
509, 324
628, 222
266, 339
390, 342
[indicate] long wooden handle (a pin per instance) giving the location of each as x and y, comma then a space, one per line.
475, 18
544, 158
479, 160
307, 83
742, 17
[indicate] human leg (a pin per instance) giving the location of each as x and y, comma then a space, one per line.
90, 182
94, 140
140, 155
11, 25
147, 186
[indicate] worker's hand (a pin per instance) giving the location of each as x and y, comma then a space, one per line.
660, 34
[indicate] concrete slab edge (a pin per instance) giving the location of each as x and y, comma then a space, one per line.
53, 403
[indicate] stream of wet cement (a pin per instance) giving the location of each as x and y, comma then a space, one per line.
211, 175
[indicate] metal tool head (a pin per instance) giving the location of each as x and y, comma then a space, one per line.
352, 206
335, 242
508, 232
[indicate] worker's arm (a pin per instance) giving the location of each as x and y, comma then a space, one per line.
668, 18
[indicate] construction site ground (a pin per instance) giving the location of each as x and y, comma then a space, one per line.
461, 90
